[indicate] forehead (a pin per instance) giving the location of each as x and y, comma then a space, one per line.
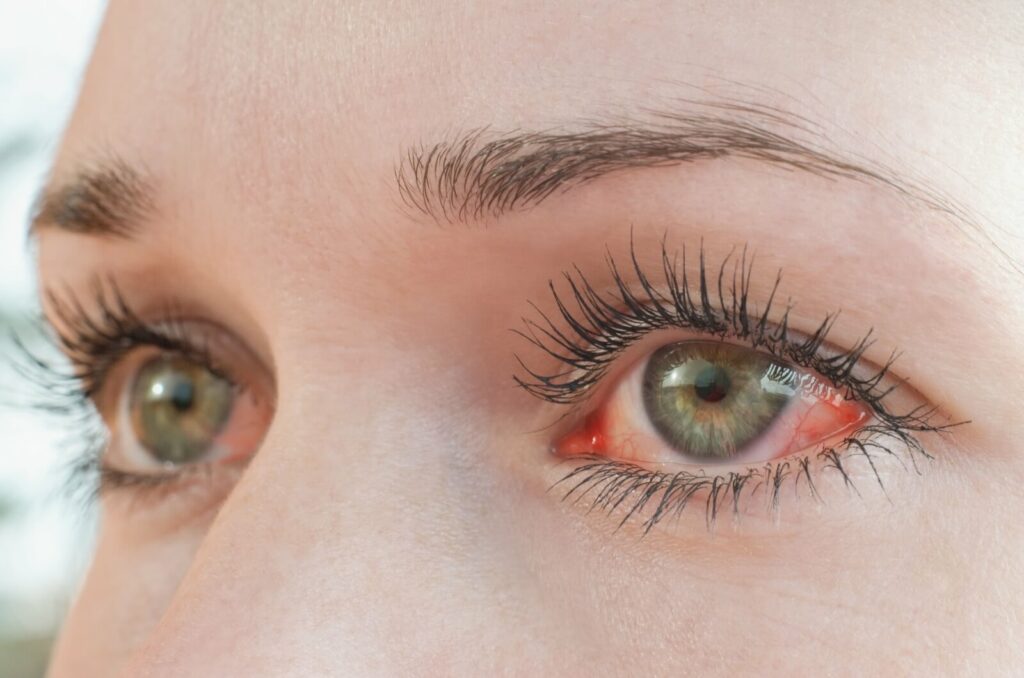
312, 103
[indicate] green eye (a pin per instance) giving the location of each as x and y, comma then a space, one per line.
178, 408
711, 399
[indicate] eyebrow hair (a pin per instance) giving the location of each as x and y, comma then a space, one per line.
485, 174
108, 199
481, 173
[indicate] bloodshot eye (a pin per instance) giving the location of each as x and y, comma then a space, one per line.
713, 403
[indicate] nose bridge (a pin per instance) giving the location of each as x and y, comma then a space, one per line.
343, 522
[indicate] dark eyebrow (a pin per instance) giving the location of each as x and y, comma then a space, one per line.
108, 199
482, 173
486, 174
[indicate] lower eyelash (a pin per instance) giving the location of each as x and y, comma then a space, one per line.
610, 485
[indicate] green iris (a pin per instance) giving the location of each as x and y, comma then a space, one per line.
708, 399
178, 408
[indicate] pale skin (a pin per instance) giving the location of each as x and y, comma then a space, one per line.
396, 518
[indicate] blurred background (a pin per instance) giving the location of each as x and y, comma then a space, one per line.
45, 539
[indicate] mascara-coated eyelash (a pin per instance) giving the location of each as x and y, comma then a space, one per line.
94, 343
591, 330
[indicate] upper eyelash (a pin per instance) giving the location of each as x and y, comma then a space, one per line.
610, 324
94, 343
602, 327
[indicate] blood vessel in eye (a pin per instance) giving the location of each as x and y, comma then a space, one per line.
590, 438
824, 419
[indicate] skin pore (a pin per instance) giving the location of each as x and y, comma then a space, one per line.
398, 517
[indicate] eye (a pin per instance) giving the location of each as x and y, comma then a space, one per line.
712, 403
172, 411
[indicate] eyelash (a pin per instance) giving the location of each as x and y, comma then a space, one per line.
601, 327
93, 344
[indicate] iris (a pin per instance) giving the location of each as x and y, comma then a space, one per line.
178, 408
709, 399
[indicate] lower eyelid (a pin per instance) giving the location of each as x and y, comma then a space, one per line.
863, 459
165, 503
792, 490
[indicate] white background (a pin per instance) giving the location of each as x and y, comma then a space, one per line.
44, 540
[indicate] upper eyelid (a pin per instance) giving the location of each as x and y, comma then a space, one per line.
97, 338
717, 304
109, 332
672, 304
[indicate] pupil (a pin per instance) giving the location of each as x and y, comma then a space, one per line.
182, 396
712, 384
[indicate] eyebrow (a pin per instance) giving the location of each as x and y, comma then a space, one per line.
109, 198
483, 174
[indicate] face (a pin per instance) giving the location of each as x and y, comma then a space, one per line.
451, 339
